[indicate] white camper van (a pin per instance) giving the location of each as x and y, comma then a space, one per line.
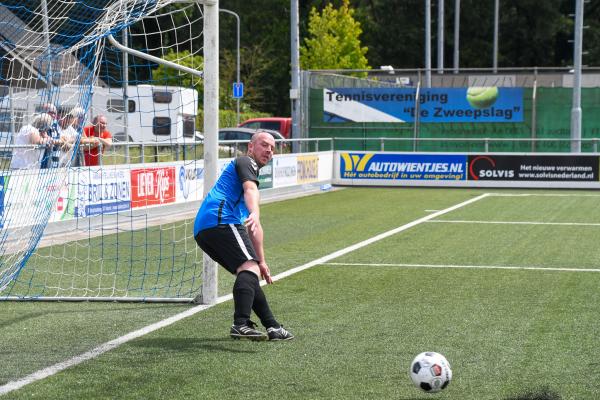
164, 114
153, 113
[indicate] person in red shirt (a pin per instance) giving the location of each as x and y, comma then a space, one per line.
93, 136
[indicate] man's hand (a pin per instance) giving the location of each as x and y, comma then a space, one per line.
264, 272
252, 222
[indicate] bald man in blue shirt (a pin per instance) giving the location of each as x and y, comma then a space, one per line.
228, 229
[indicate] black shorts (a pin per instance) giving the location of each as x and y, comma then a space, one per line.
229, 245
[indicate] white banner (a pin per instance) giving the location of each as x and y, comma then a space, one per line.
285, 170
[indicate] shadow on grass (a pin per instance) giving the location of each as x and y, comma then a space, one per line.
539, 394
226, 345
71, 310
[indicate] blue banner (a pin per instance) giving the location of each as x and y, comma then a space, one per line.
391, 166
474, 104
102, 191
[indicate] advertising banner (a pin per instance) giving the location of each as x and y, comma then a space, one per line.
265, 176
190, 181
152, 186
284, 171
325, 164
101, 191
474, 104
67, 199
308, 168
29, 195
567, 168
393, 166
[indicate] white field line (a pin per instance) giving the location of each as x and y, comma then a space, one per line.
544, 195
374, 239
466, 267
450, 221
103, 348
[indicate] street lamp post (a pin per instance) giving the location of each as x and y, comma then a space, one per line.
576, 111
496, 23
237, 78
428, 43
456, 34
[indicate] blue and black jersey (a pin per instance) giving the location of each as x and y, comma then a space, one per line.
225, 203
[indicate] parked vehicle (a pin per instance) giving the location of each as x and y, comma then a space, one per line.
154, 113
283, 125
241, 136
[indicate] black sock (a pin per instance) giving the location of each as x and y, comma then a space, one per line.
261, 308
243, 296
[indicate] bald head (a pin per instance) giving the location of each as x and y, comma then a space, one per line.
42, 121
261, 135
261, 148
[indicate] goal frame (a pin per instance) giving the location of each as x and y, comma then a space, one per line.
210, 75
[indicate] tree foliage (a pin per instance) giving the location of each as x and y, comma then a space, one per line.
169, 76
333, 40
227, 76
532, 33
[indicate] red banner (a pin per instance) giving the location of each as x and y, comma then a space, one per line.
150, 186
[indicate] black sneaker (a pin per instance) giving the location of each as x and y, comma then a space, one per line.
246, 331
279, 334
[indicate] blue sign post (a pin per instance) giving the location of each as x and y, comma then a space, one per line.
238, 90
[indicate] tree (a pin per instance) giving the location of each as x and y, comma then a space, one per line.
169, 76
256, 66
393, 31
333, 41
265, 51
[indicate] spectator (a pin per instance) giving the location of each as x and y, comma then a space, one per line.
49, 108
66, 136
50, 153
31, 134
93, 136
79, 114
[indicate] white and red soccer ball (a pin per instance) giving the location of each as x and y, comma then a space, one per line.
430, 372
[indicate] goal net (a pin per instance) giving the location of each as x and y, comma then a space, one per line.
84, 218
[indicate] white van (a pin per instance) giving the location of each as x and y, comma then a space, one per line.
154, 113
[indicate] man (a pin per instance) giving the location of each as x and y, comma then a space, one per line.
228, 229
94, 136
28, 156
51, 153
67, 135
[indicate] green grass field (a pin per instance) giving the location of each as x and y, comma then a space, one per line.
506, 287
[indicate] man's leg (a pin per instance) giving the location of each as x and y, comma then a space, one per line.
261, 308
222, 246
243, 298
260, 305
259, 301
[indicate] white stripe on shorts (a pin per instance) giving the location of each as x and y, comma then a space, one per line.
240, 242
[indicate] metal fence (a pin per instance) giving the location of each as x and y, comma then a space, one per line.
546, 108
149, 152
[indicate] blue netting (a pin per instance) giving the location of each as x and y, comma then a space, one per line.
55, 59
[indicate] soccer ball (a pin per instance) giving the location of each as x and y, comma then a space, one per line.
430, 372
